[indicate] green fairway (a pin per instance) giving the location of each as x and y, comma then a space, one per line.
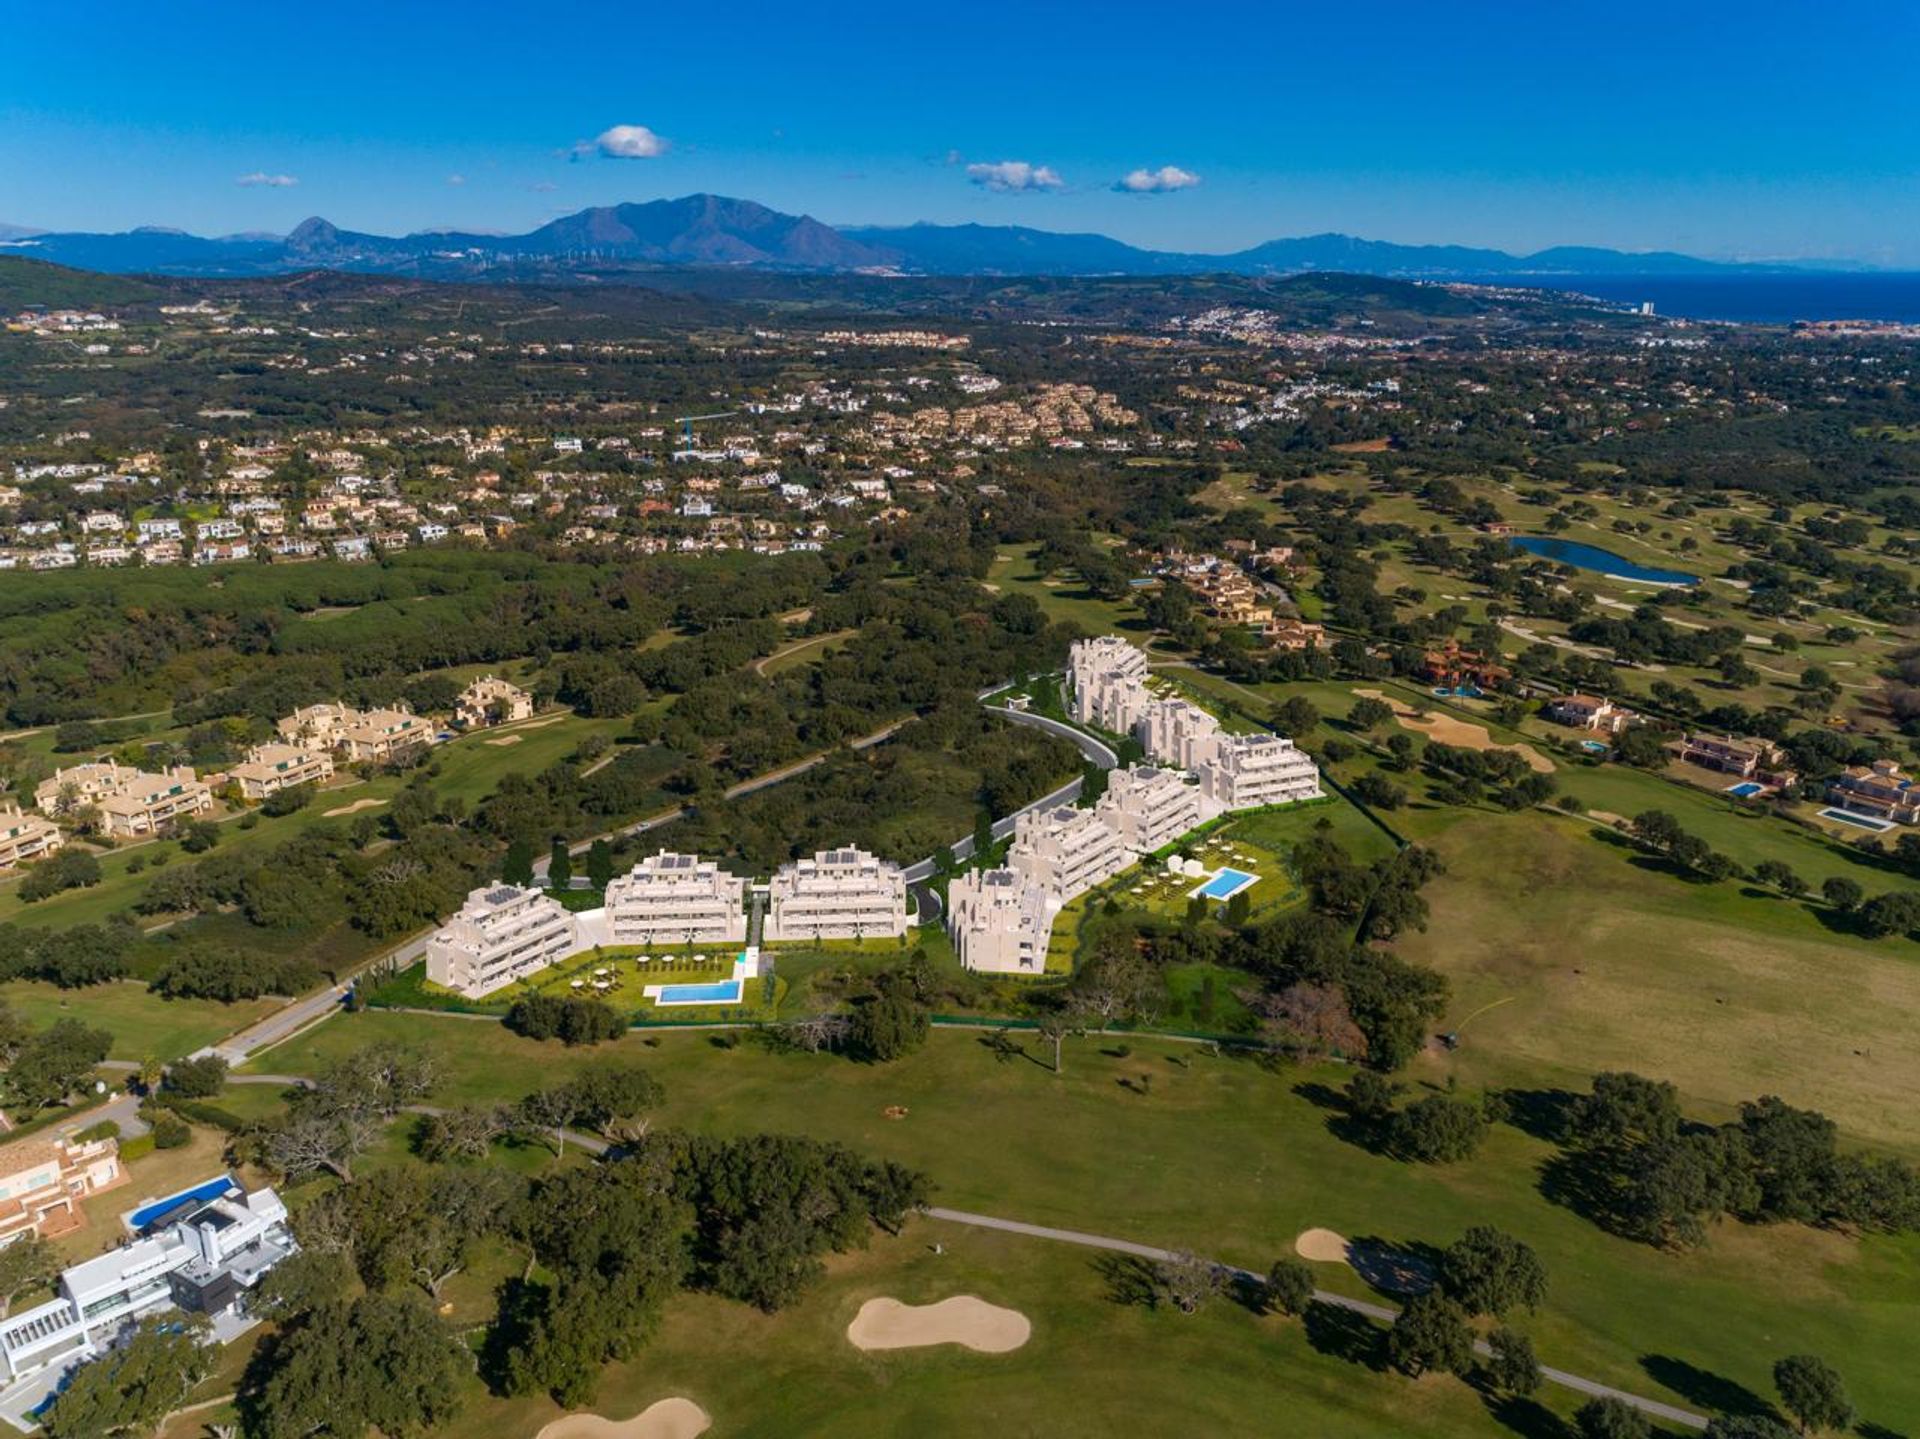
142, 1023
1228, 1157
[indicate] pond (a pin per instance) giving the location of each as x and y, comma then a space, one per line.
1592, 557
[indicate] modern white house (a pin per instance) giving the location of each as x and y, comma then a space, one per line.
270, 768
1106, 679
1066, 851
1149, 807
1251, 770
837, 894
502, 933
672, 898
999, 922
204, 1255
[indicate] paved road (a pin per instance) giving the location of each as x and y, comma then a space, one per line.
745, 787
1670, 1413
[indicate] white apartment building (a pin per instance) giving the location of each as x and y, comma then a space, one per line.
837, 894
205, 1254
26, 837
270, 768
1178, 733
998, 922
1107, 680
672, 898
502, 933
490, 701
1250, 770
1066, 851
1149, 807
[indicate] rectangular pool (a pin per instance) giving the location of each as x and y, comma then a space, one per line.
1858, 821
1226, 883
726, 991
1745, 789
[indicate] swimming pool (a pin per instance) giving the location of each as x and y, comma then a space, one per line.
1592, 557
1858, 821
140, 1218
1226, 883
726, 991
1593, 746
1746, 789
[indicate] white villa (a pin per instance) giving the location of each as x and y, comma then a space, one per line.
1066, 851
26, 837
1149, 807
490, 701
837, 894
1107, 680
672, 898
501, 934
998, 922
205, 1255
270, 768
358, 734
132, 802
1251, 770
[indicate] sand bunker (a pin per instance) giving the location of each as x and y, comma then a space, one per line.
505, 739
1457, 732
1322, 1246
964, 1319
353, 808
669, 1419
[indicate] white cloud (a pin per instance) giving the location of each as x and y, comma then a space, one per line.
624, 142
1010, 177
456, 179
1156, 182
261, 177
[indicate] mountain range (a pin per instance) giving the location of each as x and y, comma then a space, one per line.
713, 230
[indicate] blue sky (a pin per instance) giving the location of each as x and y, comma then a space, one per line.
1755, 130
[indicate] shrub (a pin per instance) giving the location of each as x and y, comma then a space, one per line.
138, 1147
171, 1132
105, 1129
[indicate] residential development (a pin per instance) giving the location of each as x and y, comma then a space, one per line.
672, 898
270, 768
132, 802
490, 701
358, 735
837, 894
26, 837
503, 933
998, 922
43, 1180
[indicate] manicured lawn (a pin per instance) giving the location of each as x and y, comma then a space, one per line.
142, 1023
1232, 1158
1062, 596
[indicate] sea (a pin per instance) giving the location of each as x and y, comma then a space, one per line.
1772, 299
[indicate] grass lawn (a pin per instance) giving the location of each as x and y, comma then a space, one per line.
142, 1023
1062, 596
1234, 1159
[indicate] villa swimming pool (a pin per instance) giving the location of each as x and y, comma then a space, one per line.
1592, 557
1858, 821
1226, 883
1746, 789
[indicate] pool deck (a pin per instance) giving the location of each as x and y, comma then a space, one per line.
745, 967
1242, 881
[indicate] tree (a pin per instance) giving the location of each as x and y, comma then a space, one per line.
467, 1132
1511, 1367
1186, 1281
27, 1264
1625, 1109
1288, 1288
1611, 1419
1295, 718
1437, 1129
134, 1385
1368, 714
559, 866
1489, 1272
1054, 1027
600, 864
517, 866
1370, 1096
53, 1064
197, 1078
1430, 1333
383, 1361
1842, 893
1746, 1426
1896, 912
888, 1026
1811, 1391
